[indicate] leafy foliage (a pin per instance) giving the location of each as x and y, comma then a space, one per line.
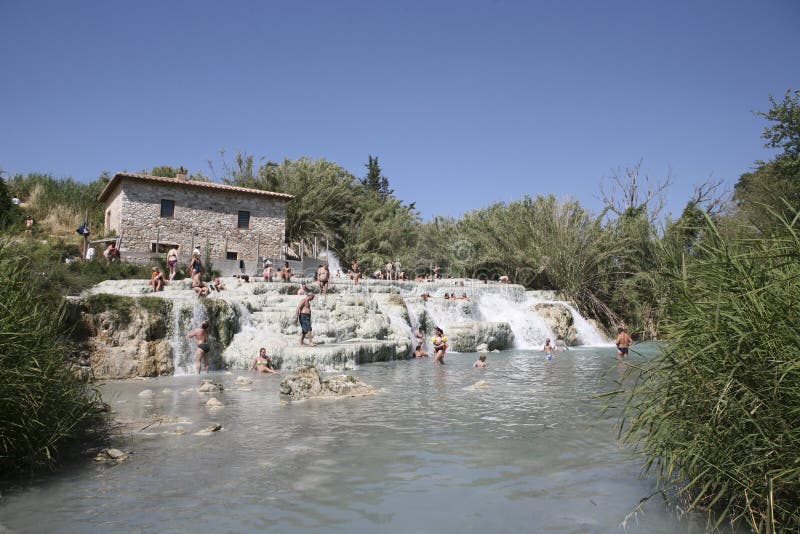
42, 408
774, 185
717, 415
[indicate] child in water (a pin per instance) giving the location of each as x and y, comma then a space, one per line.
548, 349
481, 361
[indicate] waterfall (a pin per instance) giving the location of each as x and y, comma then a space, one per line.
530, 330
587, 333
186, 316
374, 321
333, 262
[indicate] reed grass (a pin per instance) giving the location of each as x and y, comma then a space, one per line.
43, 409
717, 415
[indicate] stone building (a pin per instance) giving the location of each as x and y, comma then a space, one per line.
151, 214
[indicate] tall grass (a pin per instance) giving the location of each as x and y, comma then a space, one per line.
59, 203
717, 415
43, 409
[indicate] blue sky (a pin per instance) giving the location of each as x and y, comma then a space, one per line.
464, 102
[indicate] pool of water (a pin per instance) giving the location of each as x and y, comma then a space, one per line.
531, 452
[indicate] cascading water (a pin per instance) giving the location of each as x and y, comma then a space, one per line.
530, 329
186, 316
587, 333
374, 321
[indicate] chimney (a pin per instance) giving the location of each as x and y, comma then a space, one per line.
181, 174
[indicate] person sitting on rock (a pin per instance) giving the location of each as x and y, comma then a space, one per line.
217, 285
263, 363
419, 353
157, 280
199, 287
481, 361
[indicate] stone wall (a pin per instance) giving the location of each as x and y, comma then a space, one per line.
208, 215
112, 218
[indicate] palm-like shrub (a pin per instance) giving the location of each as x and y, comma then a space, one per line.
717, 415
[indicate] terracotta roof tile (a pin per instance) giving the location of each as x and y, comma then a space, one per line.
186, 183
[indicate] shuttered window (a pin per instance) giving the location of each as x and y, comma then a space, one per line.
167, 208
244, 219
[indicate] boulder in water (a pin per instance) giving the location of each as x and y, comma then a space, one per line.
210, 387
111, 454
469, 336
559, 319
210, 429
306, 383
243, 380
214, 403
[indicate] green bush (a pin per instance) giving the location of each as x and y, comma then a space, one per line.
717, 415
43, 409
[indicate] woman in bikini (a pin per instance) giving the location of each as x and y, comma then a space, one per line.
172, 261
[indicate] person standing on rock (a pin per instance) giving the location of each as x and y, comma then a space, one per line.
286, 273
172, 261
323, 278
203, 347
304, 317
355, 272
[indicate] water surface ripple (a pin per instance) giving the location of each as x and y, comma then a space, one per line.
531, 452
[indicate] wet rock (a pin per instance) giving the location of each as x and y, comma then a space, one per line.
306, 383
207, 386
146, 393
243, 380
467, 336
214, 427
559, 319
107, 455
214, 403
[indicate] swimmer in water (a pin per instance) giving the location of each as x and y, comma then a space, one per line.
548, 349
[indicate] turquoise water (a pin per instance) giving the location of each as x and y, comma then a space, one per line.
531, 452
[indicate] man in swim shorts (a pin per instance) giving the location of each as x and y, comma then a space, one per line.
203, 347
623, 342
304, 317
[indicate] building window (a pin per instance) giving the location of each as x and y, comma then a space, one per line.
167, 208
243, 219
231, 255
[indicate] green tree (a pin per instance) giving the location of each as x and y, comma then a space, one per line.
774, 185
164, 171
375, 180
